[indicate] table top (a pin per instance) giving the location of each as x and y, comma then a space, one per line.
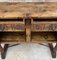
40, 10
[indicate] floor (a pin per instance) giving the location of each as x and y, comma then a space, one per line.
28, 51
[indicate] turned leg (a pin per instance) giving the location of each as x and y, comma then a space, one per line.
53, 51
3, 52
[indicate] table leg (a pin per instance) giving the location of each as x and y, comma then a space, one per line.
3, 52
56, 47
53, 51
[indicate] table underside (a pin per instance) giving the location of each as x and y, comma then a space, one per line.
40, 37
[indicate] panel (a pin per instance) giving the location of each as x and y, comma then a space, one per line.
43, 37
44, 26
12, 26
12, 37
40, 10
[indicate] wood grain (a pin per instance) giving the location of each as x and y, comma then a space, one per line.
43, 37
10, 26
12, 37
40, 10
22, 10
44, 26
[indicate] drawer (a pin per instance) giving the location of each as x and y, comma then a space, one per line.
12, 25
38, 26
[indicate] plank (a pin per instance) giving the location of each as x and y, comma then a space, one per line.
40, 10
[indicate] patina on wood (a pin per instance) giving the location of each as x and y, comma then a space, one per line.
44, 26
12, 26
40, 10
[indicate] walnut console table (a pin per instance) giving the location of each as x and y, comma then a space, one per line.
28, 22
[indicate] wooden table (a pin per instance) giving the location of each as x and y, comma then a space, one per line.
28, 22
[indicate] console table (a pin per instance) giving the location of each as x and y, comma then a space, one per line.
28, 22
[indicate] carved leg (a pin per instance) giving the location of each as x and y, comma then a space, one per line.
53, 51
3, 52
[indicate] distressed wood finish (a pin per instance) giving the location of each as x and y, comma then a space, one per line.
11, 37
25, 10
40, 10
12, 26
44, 26
44, 37
28, 30
20, 26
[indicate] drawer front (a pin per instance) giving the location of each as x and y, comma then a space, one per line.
12, 26
44, 26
